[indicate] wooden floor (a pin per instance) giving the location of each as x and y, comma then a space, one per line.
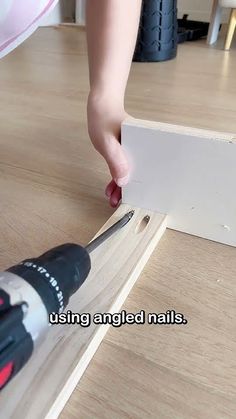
51, 191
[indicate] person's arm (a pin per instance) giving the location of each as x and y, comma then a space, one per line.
112, 27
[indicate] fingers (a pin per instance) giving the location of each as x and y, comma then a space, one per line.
113, 192
117, 161
115, 197
104, 127
110, 188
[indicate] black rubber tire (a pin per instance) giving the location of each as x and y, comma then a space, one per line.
157, 38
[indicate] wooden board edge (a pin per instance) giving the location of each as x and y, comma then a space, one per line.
180, 129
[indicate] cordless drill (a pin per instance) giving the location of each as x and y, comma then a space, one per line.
34, 288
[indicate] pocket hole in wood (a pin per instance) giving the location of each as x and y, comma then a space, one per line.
142, 224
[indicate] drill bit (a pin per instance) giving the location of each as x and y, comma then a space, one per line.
109, 232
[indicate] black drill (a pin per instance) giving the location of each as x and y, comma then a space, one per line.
33, 289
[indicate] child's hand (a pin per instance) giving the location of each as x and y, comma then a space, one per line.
111, 28
105, 116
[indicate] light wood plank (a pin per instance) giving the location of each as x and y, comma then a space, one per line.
231, 29
53, 372
186, 173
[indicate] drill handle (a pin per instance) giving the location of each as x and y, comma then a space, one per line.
16, 345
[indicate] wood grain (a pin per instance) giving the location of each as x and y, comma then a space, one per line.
68, 349
52, 191
193, 174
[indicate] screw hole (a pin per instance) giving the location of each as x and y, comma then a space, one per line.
142, 224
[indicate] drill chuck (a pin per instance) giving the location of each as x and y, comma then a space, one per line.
56, 275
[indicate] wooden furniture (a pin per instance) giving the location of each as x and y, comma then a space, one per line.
52, 191
231, 29
215, 21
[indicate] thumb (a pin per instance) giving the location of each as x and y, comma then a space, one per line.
117, 161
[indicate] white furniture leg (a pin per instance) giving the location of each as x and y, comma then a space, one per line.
214, 23
80, 7
55, 17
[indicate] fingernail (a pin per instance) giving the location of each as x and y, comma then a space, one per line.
122, 181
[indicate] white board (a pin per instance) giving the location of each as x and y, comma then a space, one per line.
188, 174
